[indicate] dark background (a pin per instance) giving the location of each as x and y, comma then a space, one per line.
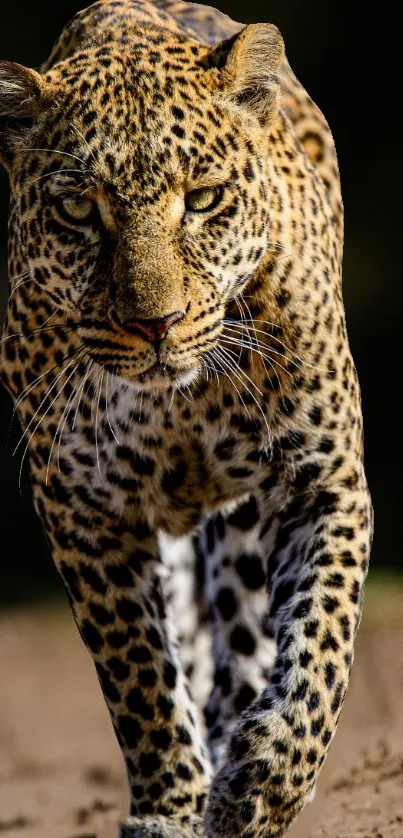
346, 58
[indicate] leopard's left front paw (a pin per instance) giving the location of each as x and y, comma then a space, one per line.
156, 826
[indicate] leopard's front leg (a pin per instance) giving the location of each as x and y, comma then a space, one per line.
317, 568
112, 575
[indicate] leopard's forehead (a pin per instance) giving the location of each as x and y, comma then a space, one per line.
146, 114
137, 63
140, 86
150, 103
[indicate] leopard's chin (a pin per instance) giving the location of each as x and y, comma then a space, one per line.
162, 376
158, 376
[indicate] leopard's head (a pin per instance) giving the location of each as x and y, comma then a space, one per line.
139, 185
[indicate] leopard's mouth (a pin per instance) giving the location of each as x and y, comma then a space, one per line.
158, 374
159, 368
161, 374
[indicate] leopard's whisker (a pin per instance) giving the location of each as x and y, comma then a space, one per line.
67, 415
210, 367
171, 401
179, 389
237, 325
26, 390
257, 320
81, 136
253, 383
278, 245
253, 396
242, 313
37, 331
96, 420
33, 384
108, 375
81, 390
46, 411
64, 412
231, 367
47, 393
250, 315
10, 337
189, 389
228, 364
19, 276
223, 366
56, 172
263, 356
18, 285
56, 151
260, 347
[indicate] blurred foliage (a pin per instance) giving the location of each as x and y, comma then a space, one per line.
347, 63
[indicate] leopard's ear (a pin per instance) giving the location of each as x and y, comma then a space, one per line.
21, 100
249, 61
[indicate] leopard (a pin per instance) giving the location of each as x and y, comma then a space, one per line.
176, 349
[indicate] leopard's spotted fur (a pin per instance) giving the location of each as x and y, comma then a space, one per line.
238, 436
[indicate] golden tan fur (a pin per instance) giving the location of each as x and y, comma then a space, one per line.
239, 432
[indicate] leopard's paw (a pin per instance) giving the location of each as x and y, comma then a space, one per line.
156, 826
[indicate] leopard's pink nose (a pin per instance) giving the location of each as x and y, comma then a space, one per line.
156, 329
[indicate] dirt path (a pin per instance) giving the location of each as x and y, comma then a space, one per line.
61, 774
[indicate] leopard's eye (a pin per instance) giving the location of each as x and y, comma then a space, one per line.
201, 200
78, 210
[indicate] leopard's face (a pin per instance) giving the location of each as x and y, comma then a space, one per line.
150, 201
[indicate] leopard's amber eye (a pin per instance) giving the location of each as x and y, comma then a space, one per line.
201, 200
78, 210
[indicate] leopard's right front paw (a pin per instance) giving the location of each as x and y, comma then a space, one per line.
156, 826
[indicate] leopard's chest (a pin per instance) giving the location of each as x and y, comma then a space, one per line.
167, 462
184, 464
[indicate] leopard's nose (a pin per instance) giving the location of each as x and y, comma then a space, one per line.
156, 329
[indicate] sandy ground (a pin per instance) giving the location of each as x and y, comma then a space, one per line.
61, 775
